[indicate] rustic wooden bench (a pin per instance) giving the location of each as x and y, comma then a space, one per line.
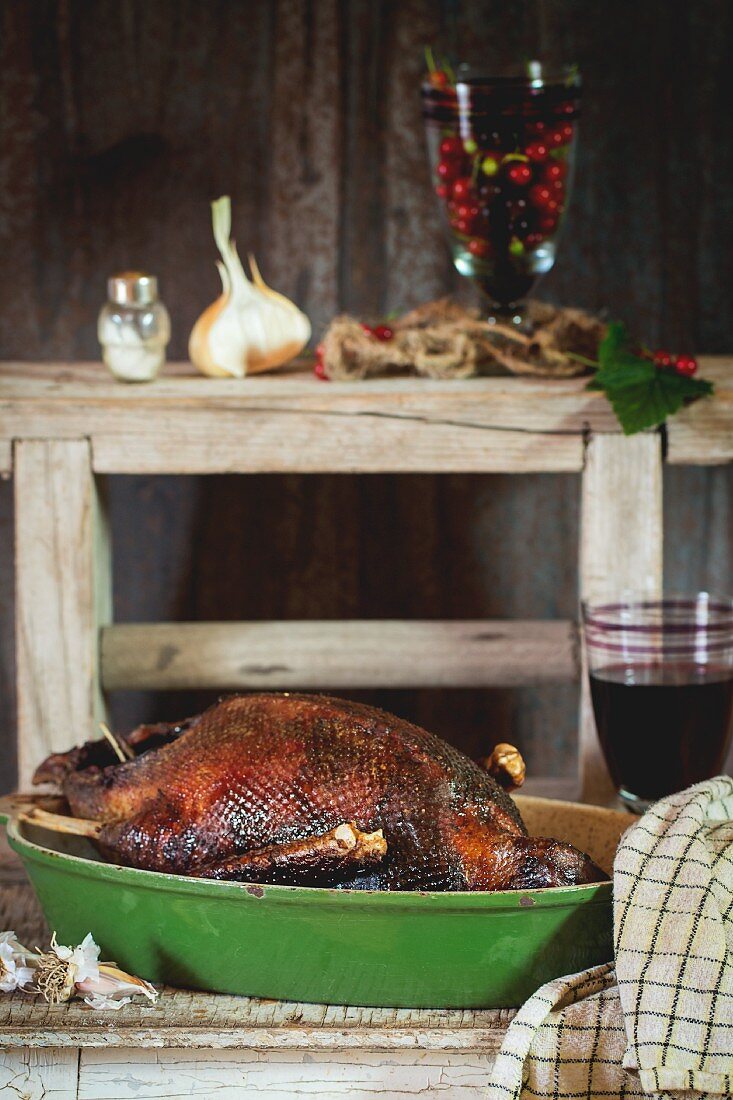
63, 427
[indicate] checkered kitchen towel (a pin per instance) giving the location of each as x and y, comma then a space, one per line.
661, 1022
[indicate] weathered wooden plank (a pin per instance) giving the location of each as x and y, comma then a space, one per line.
294, 423
39, 1074
280, 1075
278, 443
63, 593
391, 653
301, 237
413, 1034
702, 434
620, 550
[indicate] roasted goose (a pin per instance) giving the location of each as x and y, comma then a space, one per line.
304, 789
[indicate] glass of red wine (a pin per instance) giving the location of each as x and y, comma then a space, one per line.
501, 151
661, 680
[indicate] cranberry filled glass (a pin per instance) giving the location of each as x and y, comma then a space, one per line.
501, 152
661, 680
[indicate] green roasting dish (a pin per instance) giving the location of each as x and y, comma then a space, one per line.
421, 950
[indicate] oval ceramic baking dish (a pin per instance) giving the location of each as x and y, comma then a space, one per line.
432, 950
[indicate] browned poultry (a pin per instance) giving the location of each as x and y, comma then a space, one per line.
304, 789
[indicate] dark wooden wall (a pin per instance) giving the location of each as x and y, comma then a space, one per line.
121, 119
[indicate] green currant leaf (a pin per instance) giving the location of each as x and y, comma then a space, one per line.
641, 395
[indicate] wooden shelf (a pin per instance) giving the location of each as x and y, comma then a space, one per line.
291, 422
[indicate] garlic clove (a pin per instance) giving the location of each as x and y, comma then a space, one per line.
216, 344
250, 328
114, 987
293, 325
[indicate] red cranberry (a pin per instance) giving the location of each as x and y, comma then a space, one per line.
533, 239
663, 358
540, 195
566, 133
442, 190
479, 248
463, 226
462, 188
547, 223
367, 329
555, 171
536, 127
318, 367
519, 174
467, 210
448, 170
451, 147
537, 151
685, 364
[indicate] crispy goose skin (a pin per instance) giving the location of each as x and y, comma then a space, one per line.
99, 754
257, 771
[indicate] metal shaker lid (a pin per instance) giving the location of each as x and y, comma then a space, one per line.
135, 288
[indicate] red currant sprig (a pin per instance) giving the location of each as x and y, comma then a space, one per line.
682, 364
319, 368
686, 364
381, 332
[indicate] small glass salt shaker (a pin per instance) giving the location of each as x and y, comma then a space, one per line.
134, 327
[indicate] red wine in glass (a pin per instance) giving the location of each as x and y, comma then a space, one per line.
661, 681
662, 727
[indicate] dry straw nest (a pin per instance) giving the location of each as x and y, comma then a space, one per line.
445, 340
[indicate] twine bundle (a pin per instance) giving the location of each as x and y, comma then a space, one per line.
444, 340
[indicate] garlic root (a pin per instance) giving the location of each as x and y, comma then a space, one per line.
250, 327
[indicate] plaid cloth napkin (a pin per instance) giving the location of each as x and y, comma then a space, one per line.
660, 1022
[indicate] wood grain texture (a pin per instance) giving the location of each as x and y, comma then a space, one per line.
289, 422
63, 593
229, 1075
117, 126
620, 550
345, 654
293, 423
39, 1074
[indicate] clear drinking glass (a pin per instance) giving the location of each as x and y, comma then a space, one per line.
661, 680
501, 151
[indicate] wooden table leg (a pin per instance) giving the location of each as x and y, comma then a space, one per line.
620, 548
63, 595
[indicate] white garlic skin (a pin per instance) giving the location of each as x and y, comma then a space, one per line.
250, 328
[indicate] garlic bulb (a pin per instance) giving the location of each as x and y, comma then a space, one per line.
250, 328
